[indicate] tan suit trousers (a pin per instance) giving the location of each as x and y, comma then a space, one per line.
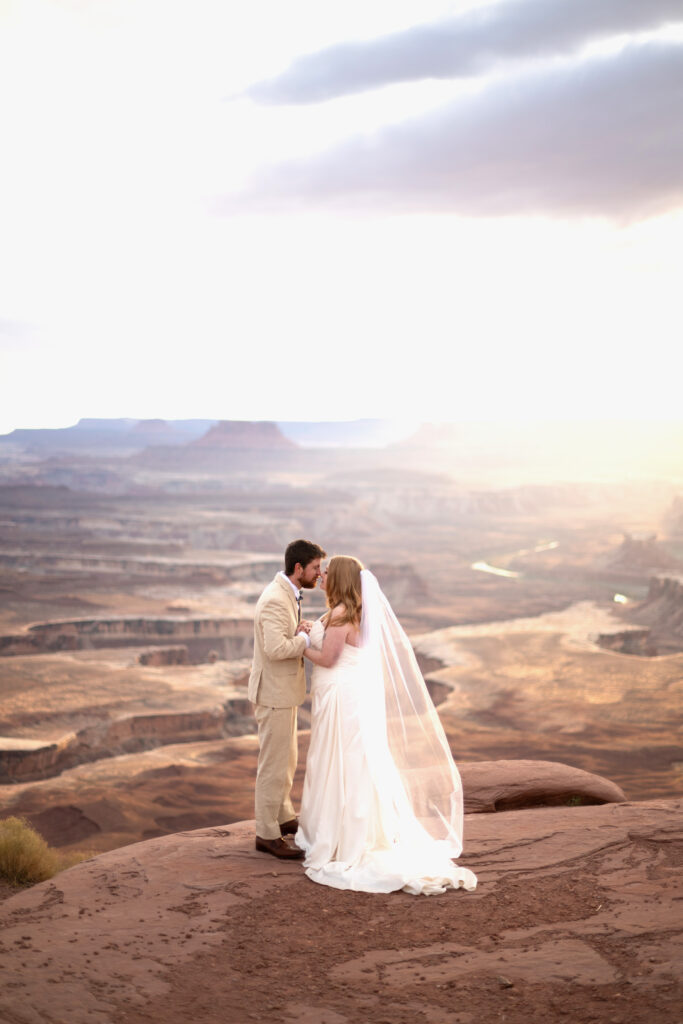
277, 759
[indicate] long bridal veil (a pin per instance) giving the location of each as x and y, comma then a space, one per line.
406, 747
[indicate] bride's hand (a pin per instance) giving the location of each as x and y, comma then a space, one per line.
304, 626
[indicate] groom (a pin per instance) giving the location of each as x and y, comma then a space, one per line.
277, 685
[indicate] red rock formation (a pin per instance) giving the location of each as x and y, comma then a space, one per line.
124, 735
243, 434
643, 555
504, 785
630, 641
662, 610
199, 634
158, 657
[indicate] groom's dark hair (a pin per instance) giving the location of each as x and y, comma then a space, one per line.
303, 552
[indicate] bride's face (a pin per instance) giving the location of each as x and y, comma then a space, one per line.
322, 582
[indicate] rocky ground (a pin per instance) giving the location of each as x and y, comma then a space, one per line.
576, 918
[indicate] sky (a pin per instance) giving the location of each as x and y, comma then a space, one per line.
301, 211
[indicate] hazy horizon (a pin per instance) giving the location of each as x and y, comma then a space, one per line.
476, 453
409, 422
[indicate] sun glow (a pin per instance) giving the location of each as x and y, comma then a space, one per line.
113, 249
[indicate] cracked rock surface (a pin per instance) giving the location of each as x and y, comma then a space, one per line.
577, 918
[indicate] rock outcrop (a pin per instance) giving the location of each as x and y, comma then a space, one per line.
106, 435
576, 918
26, 761
229, 444
243, 435
663, 606
235, 636
506, 785
630, 641
159, 657
662, 611
643, 555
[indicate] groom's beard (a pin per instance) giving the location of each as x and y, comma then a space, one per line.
308, 586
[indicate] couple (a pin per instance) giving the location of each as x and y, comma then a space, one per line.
381, 808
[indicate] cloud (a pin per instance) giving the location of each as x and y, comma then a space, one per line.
601, 137
462, 46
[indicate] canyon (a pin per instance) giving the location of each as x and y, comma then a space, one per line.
127, 594
546, 618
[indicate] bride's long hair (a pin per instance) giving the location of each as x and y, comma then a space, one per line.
343, 587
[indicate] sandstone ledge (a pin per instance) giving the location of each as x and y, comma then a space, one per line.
506, 785
576, 918
29, 760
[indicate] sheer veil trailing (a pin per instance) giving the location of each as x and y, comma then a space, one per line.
399, 719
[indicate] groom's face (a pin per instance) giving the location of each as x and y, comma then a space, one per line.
309, 575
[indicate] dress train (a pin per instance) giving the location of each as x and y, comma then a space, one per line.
356, 825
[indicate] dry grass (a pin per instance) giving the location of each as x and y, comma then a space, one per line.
25, 857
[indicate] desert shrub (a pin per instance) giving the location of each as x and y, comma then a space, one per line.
25, 857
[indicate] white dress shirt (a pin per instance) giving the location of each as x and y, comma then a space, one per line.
297, 594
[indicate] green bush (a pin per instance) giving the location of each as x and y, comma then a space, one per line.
25, 857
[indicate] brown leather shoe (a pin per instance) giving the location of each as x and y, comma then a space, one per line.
279, 848
289, 828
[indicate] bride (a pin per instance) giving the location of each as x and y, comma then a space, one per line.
382, 801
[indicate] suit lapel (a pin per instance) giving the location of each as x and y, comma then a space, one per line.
285, 586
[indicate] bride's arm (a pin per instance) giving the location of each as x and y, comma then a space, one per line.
333, 645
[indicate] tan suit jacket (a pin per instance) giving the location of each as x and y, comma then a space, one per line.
277, 679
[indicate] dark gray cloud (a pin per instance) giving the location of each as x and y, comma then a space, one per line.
461, 46
602, 137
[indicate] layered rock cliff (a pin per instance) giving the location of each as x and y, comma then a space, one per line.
662, 611
639, 555
234, 637
22, 761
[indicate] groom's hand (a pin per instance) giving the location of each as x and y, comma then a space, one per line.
304, 626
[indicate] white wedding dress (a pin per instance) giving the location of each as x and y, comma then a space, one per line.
357, 825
